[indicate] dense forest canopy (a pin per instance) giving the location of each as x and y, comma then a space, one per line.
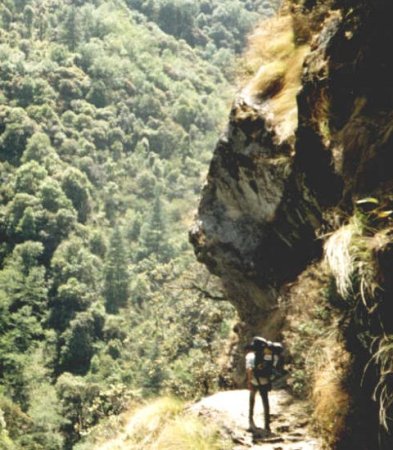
108, 114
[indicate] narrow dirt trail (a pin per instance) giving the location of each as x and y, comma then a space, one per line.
289, 422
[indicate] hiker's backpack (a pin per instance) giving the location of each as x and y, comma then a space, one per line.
265, 351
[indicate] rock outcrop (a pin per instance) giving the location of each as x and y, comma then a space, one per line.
257, 220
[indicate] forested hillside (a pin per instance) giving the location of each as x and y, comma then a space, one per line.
108, 114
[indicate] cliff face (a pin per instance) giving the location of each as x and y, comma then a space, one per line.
308, 154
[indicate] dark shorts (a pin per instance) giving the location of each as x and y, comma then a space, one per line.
262, 388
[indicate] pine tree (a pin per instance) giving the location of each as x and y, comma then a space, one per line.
6, 17
28, 16
153, 237
72, 28
116, 285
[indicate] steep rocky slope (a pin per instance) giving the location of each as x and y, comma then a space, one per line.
295, 216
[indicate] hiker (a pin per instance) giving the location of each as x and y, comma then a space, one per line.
261, 358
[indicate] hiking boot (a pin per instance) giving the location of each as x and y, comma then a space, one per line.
251, 425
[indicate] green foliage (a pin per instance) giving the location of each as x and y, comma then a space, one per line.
18, 129
44, 408
77, 187
71, 30
203, 23
13, 422
153, 235
78, 344
29, 177
72, 297
39, 149
84, 403
108, 113
74, 260
116, 278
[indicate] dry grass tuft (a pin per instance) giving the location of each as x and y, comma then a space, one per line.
349, 256
339, 258
269, 80
272, 41
276, 60
146, 423
163, 425
383, 391
188, 433
331, 400
284, 104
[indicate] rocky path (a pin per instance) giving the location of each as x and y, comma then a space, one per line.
289, 422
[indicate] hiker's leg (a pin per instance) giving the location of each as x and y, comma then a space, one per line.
251, 408
266, 407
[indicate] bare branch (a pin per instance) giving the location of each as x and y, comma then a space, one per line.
207, 294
